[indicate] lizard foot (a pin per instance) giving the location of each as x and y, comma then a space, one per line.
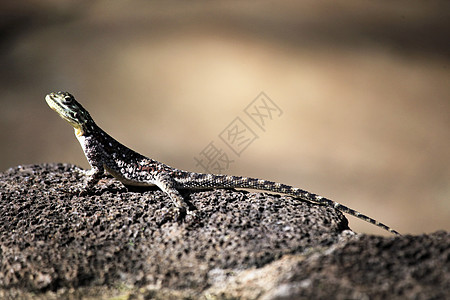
175, 214
166, 215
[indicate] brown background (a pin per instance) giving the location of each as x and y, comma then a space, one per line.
363, 85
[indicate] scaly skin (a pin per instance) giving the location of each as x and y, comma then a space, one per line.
104, 153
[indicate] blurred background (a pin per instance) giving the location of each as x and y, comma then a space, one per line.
362, 86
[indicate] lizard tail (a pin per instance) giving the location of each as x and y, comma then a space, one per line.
184, 180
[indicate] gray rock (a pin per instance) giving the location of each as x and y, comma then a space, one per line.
57, 244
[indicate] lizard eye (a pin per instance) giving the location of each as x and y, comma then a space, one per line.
67, 99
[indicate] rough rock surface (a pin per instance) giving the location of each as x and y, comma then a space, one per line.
58, 244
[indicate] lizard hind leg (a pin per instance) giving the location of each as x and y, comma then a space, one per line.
166, 185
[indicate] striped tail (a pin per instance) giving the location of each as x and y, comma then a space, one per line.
191, 180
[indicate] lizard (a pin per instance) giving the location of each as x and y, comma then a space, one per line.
104, 153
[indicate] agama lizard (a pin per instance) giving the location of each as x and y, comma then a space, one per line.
104, 153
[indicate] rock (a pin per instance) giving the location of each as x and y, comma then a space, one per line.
57, 244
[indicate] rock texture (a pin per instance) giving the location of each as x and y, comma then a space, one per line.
57, 244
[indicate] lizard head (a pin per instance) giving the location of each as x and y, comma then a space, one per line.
70, 110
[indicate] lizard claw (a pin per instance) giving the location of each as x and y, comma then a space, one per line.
83, 192
178, 214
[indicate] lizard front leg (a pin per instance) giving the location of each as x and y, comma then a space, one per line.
95, 156
89, 179
93, 176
